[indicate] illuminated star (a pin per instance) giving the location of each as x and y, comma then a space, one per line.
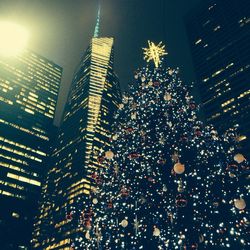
154, 52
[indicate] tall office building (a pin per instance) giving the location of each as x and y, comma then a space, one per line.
29, 86
219, 35
85, 128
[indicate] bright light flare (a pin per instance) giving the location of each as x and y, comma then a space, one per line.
13, 38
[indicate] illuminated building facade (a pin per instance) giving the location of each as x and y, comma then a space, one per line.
29, 86
219, 35
85, 128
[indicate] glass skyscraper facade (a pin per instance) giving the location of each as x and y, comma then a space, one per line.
219, 35
29, 85
85, 129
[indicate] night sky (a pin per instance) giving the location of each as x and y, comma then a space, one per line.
61, 30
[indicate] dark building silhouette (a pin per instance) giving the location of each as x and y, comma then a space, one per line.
85, 129
29, 85
219, 36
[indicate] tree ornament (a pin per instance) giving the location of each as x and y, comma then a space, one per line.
164, 189
121, 106
179, 168
142, 200
240, 203
116, 169
170, 72
133, 116
133, 156
95, 201
154, 52
232, 170
198, 132
115, 137
239, 158
150, 83
194, 246
171, 217
156, 232
125, 99
216, 204
161, 161
129, 130
143, 79
96, 178
167, 97
175, 157
156, 83
69, 216
124, 191
201, 238
180, 189
192, 105
101, 159
110, 204
134, 106
87, 235
109, 155
88, 225
124, 223
181, 200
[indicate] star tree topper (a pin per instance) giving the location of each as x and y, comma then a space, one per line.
154, 52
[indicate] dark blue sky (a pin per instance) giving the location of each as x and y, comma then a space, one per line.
61, 30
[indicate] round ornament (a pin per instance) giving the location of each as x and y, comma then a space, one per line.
115, 137
167, 97
156, 232
109, 155
88, 225
170, 72
179, 168
150, 83
124, 223
240, 204
181, 200
239, 158
156, 83
121, 106
95, 201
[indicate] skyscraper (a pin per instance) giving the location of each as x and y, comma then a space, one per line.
29, 85
219, 36
87, 119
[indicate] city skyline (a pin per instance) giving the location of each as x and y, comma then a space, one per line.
219, 42
85, 130
29, 85
133, 134
53, 35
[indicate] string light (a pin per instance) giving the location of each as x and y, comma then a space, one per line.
144, 201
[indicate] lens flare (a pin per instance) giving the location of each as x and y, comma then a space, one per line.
13, 40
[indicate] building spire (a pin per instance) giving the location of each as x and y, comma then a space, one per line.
97, 26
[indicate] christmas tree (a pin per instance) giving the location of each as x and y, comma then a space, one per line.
169, 181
